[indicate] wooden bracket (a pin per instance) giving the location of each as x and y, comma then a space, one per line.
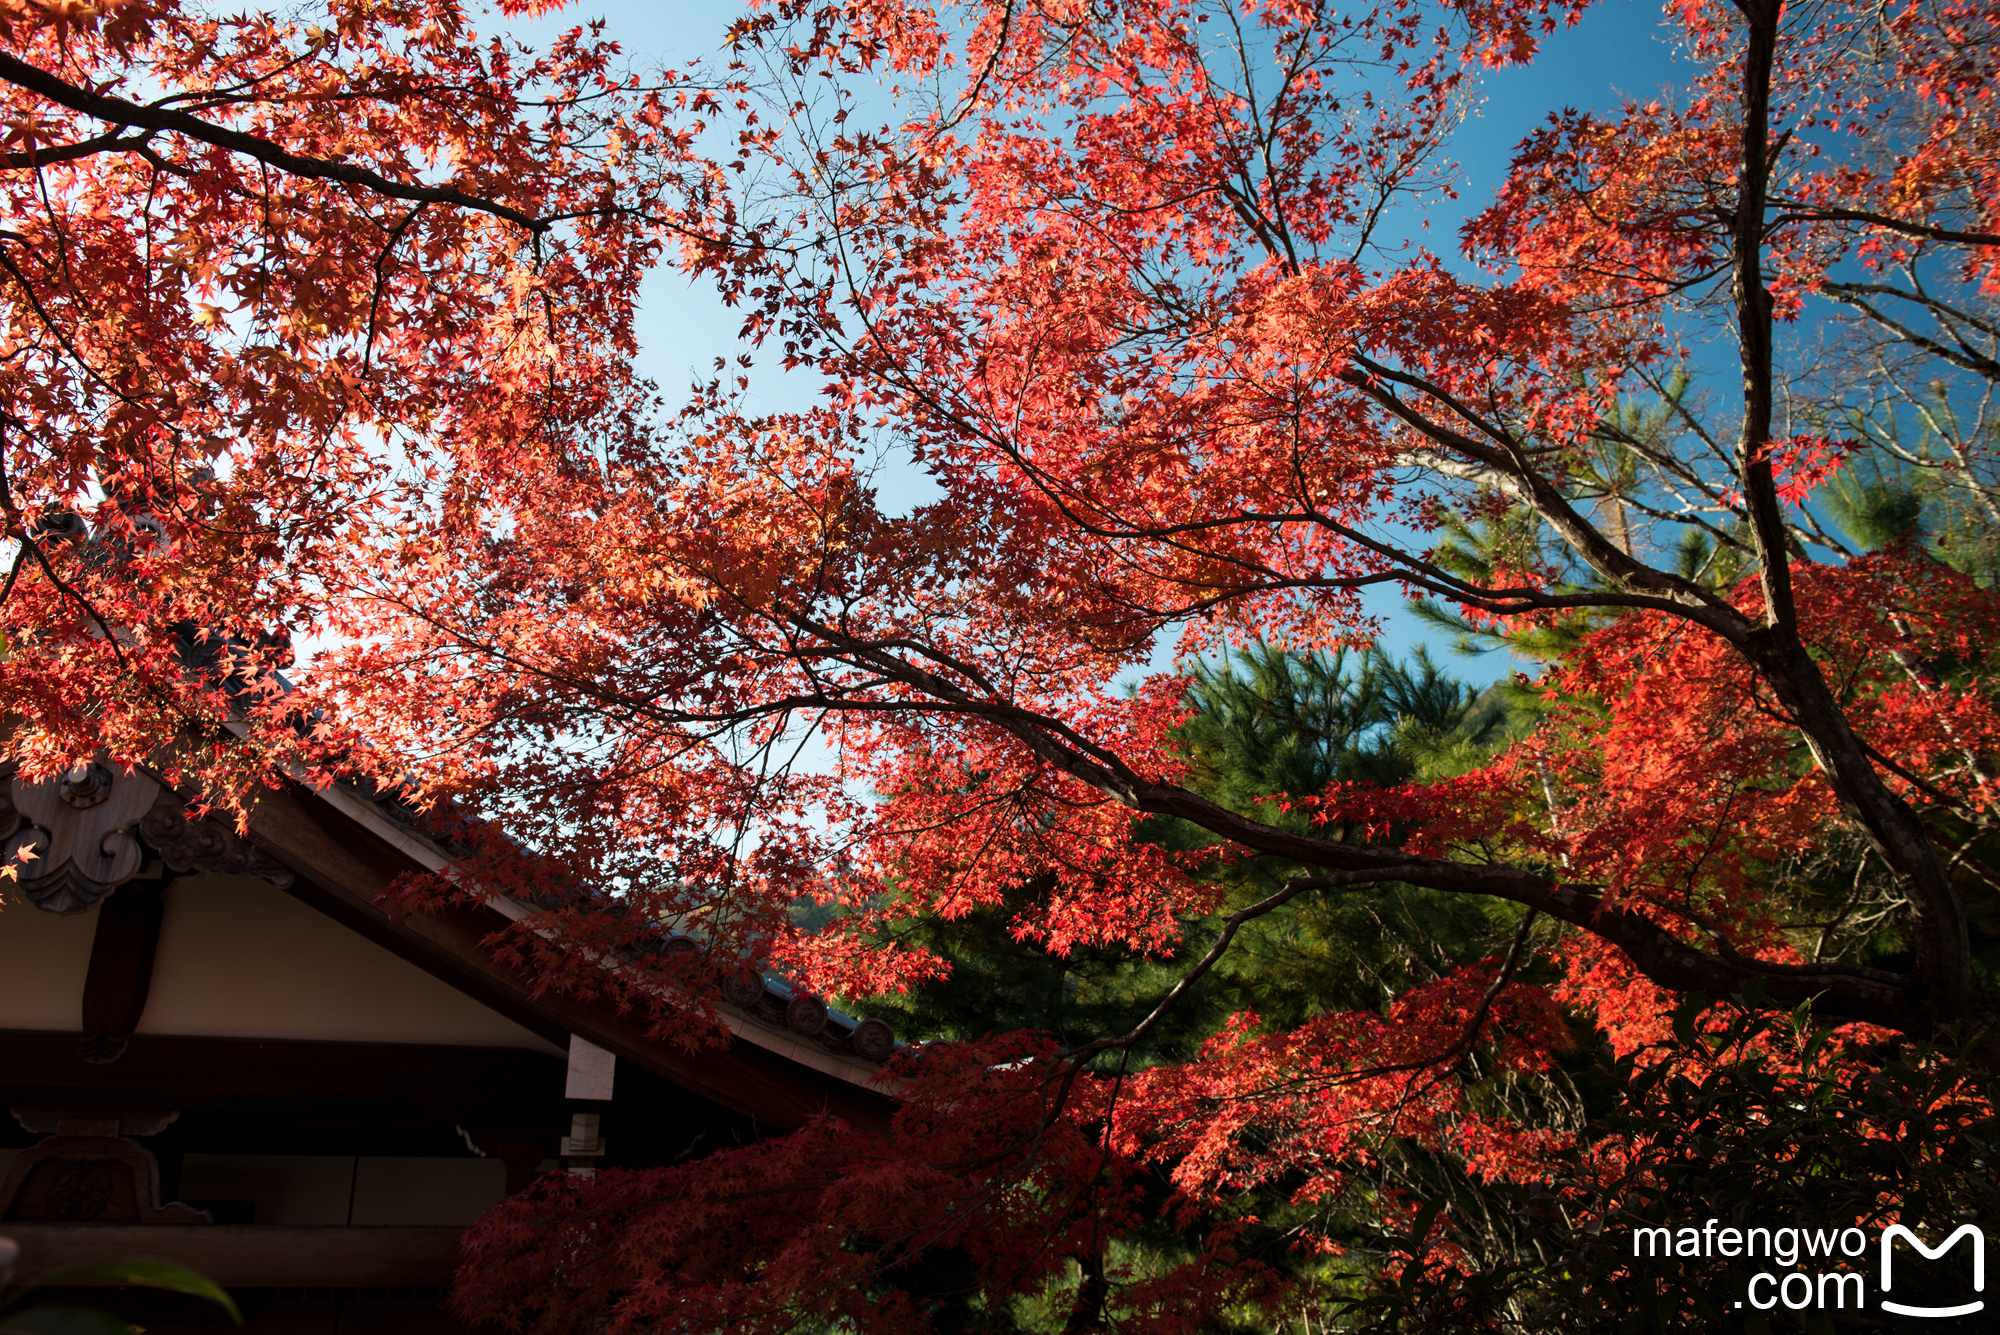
121, 969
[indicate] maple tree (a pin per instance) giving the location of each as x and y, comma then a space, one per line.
1760, 1118
328, 327
262, 272
1110, 284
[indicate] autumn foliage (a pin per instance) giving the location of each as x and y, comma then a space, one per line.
265, 274
322, 325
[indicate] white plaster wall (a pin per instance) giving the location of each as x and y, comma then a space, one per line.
240, 958
426, 1191
42, 962
340, 1189
286, 1188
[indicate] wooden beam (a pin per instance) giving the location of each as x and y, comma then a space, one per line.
122, 949
253, 1255
451, 1084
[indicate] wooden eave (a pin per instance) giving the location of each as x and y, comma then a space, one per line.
346, 854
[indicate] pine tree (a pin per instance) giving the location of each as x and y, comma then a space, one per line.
1269, 727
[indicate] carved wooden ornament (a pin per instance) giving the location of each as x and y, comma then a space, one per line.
88, 1174
73, 840
77, 842
204, 845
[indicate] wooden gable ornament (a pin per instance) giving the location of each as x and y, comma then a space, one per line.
89, 1170
72, 841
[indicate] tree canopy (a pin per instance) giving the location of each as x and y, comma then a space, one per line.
321, 322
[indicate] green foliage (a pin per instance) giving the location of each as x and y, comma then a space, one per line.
66, 1319
1879, 501
1875, 506
1268, 725
1926, 476
1000, 982
1496, 539
1481, 550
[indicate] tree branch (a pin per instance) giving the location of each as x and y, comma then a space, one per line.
118, 111
1884, 221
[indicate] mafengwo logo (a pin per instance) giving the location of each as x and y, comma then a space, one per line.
1895, 1231
1822, 1269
